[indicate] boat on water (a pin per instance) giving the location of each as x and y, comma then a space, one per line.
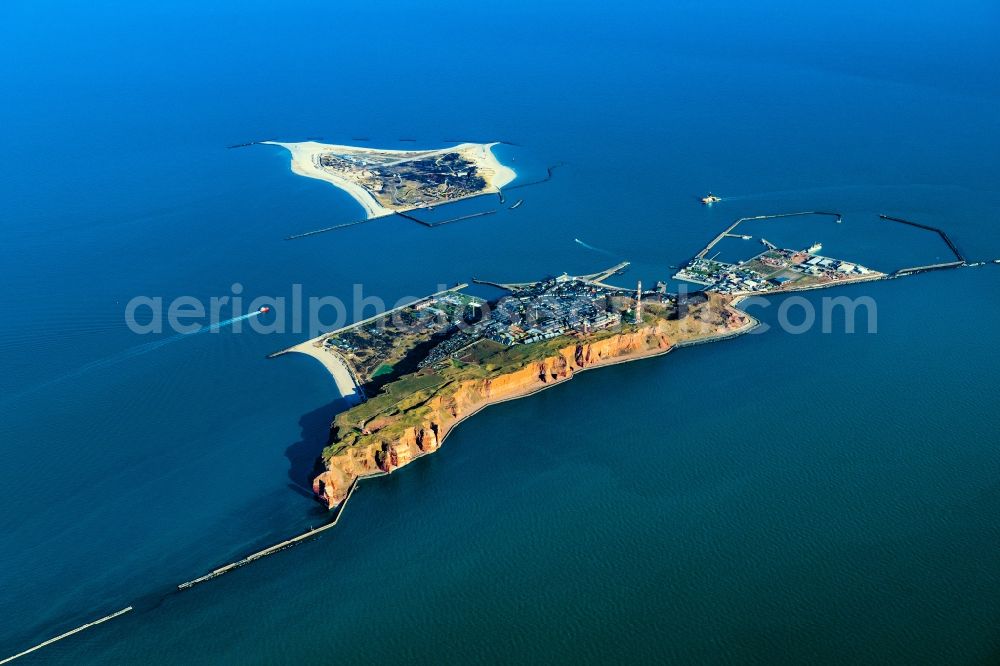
814, 248
710, 199
517, 203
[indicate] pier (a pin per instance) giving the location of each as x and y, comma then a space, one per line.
728, 232
929, 267
593, 278
599, 278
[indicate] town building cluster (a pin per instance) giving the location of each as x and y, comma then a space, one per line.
771, 270
541, 311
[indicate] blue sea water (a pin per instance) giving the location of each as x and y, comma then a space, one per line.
823, 497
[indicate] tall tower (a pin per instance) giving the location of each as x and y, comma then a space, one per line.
638, 303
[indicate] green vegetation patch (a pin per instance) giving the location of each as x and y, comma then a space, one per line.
383, 369
408, 384
409, 388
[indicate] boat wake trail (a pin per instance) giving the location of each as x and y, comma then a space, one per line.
595, 249
139, 350
133, 352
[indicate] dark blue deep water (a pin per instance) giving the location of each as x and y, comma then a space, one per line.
778, 498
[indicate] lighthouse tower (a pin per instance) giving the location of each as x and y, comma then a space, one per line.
638, 303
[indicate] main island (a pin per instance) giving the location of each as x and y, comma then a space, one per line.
419, 370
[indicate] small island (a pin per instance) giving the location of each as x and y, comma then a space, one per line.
387, 181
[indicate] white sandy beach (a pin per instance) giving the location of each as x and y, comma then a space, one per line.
305, 162
305, 157
337, 368
495, 173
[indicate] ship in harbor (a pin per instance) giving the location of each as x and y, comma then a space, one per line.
814, 248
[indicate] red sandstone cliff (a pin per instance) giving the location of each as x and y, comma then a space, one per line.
374, 454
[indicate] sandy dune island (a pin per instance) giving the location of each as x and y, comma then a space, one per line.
389, 181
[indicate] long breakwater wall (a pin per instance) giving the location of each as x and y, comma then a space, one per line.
66, 635
270, 550
214, 573
549, 171
332, 228
959, 257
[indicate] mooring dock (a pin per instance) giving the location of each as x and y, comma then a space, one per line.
728, 232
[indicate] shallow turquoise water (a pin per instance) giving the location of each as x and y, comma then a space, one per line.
816, 497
